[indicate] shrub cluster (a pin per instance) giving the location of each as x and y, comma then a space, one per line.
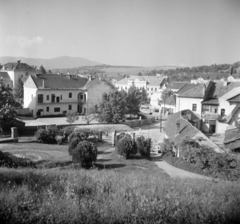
85, 153
125, 146
204, 160
48, 136
143, 146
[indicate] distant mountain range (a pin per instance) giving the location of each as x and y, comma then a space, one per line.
59, 62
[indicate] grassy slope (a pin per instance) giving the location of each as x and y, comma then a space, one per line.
102, 196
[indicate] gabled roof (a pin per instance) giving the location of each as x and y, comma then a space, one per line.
59, 82
151, 80
235, 99
4, 75
185, 129
177, 85
196, 92
97, 81
186, 87
10, 66
232, 135
171, 100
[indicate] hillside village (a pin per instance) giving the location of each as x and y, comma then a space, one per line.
145, 125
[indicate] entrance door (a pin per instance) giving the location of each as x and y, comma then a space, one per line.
212, 128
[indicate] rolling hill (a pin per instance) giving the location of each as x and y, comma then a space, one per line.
59, 62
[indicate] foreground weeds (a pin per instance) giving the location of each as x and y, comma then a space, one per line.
92, 196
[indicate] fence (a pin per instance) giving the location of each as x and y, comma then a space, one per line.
139, 123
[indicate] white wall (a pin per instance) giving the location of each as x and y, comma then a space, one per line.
224, 104
30, 99
186, 103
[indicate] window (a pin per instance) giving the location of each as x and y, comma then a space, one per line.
70, 95
40, 98
81, 97
53, 98
125, 87
147, 88
47, 97
61, 97
26, 73
57, 99
222, 112
155, 89
47, 109
21, 76
151, 89
57, 109
69, 107
194, 107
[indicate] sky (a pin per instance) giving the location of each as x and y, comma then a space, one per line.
123, 32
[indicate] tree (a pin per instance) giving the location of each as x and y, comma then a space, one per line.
165, 94
43, 70
144, 96
72, 117
7, 113
112, 107
91, 113
19, 92
133, 100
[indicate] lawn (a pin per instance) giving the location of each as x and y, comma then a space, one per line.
56, 156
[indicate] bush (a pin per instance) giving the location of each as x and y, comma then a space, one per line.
204, 160
118, 137
143, 146
85, 153
69, 130
125, 146
73, 144
47, 136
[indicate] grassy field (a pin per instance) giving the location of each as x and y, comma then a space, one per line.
114, 191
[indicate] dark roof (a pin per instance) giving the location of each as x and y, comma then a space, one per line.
17, 65
185, 129
186, 87
4, 75
211, 101
171, 100
231, 135
59, 82
235, 99
196, 92
177, 85
97, 81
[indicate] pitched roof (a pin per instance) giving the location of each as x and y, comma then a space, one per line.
97, 81
186, 129
232, 135
59, 82
177, 85
10, 66
4, 75
211, 101
196, 92
171, 100
151, 80
235, 99
186, 87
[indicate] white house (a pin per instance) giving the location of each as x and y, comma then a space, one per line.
48, 95
152, 84
18, 70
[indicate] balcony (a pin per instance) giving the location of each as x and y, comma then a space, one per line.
210, 116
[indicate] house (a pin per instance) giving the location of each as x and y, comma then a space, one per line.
152, 84
232, 139
5, 78
52, 94
176, 86
170, 104
184, 124
18, 70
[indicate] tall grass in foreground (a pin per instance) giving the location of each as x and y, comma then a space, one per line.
45, 196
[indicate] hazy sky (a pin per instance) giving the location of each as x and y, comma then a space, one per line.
123, 32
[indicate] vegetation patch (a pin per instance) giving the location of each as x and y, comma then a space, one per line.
93, 196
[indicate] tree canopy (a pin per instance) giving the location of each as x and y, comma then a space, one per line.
7, 113
19, 92
43, 70
134, 97
112, 107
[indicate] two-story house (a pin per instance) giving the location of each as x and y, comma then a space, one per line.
152, 84
18, 70
48, 95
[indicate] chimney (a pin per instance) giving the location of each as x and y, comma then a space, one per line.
100, 78
18, 61
43, 84
204, 89
89, 78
